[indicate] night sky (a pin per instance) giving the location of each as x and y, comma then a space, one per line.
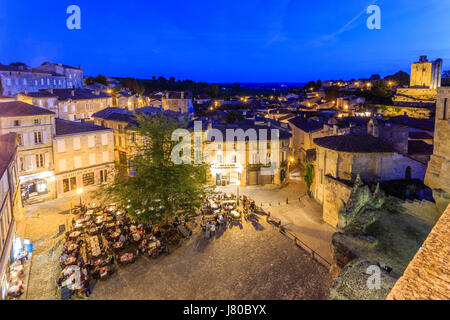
227, 41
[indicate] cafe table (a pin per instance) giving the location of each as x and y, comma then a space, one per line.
235, 214
74, 234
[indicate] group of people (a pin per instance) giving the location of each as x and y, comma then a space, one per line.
99, 238
220, 209
16, 275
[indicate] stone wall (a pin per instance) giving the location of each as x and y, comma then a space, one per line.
423, 209
351, 284
393, 111
438, 172
427, 277
336, 195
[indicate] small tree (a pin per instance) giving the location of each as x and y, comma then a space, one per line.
158, 188
309, 177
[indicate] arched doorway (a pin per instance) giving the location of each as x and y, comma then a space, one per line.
408, 172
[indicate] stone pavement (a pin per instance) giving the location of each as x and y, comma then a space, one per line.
40, 224
250, 261
303, 218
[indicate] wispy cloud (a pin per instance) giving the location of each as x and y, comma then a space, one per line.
322, 40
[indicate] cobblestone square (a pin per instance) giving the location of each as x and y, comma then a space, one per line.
251, 260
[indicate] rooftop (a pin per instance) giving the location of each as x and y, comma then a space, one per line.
8, 147
306, 124
360, 143
18, 108
423, 124
65, 127
78, 94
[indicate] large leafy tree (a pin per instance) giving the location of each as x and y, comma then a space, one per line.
158, 188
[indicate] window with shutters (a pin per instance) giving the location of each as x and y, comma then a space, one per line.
20, 139
37, 137
61, 145
37, 121
92, 159
77, 160
76, 143
91, 141
104, 139
62, 164
105, 156
39, 161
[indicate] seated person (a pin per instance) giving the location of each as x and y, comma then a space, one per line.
122, 238
63, 258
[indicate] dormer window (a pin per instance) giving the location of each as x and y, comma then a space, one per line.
16, 123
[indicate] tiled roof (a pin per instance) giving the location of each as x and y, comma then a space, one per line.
307, 125
419, 147
423, 124
360, 143
283, 134
420, 135
65, 127
19, 108
7, 147
40, 94
79, 94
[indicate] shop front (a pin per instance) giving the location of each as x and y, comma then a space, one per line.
69, 182
226, 174
13, 250
39, 185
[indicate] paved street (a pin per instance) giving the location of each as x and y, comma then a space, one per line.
303, 218
40, 224
250, 261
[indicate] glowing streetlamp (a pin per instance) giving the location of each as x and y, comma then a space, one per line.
80, 192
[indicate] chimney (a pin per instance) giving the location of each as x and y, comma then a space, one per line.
423, 59
72, 93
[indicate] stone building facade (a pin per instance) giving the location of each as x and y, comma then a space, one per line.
83, 155
10, 206
177, 101
426, 74
342, 158
35, 128
69, 104
438, 172
18, 78
225, 164
425, 79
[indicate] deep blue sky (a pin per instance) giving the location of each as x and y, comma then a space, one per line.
227, 40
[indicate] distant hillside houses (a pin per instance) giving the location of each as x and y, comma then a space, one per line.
19, 77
